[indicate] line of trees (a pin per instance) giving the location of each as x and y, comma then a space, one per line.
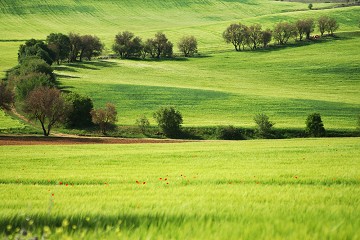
127, 45
240, 35
59, 48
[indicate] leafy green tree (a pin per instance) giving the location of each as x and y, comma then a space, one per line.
263, 126
159, 46
127, 45
60, 45
188, 45
266, 37
283, 31
36, 48
91, 46
304, 27
314, 125
79, 116
46, 105
169, 120
75, 46
254, 36
322, 23
104, 117
332, 26
310, 6
237, 35
6, 96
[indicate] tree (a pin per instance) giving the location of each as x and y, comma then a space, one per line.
263, 125
310, 6
36, 48
75, 46
305, 26
332, 26
255, 36
104, 117
6, 97
91, 46
188, 45
59, 44
127, 45
237, 35
79, 116
169, 120
159, 46
266, 37
283, 31
322, 23
46, 105
314, 125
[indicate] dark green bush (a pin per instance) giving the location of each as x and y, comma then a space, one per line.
229, 133
169, 120
79, 116
314, 126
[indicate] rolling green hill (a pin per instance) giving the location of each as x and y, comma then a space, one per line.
221, 86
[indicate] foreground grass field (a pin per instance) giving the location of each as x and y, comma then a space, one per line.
298, 189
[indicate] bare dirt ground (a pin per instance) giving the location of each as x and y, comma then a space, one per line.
66, 140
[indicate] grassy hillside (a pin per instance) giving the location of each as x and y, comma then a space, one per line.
279, 189
221, 87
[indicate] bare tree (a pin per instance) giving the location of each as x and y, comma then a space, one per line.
104, 117
46, 105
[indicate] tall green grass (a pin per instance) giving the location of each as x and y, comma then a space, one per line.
297, 189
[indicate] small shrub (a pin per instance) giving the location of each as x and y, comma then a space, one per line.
169, 120
263, 126
229, 133
143, 123
310, 6
314, 125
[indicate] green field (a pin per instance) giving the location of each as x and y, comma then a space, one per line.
221, 87
298, 189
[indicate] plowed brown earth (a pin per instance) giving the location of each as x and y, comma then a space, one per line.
35, 140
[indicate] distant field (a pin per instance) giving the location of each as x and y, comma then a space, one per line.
275, 189
221, 87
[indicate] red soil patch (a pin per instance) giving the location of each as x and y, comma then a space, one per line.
35, 140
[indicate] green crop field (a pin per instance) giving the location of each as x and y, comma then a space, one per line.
299, 189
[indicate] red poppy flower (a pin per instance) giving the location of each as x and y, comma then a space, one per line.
137, 182
144, 182
60, 183
160, 179
165, 179
52, 194
67, 185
